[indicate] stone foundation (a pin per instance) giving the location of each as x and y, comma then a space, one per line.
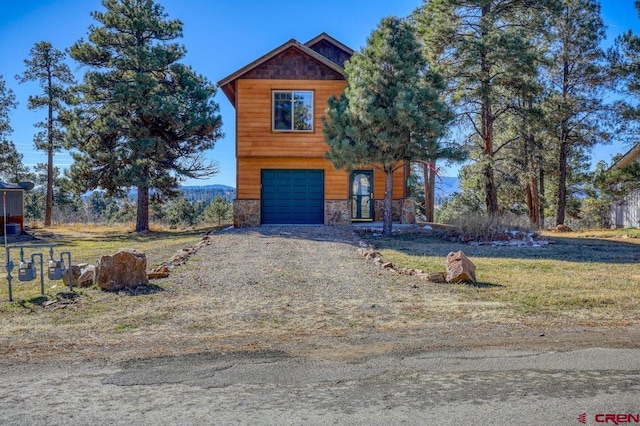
246, 213
408, 214
396, 206
337, 212
404, 211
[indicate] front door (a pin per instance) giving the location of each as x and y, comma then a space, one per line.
362, 195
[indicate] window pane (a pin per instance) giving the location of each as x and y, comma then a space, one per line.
282, 111
303, 111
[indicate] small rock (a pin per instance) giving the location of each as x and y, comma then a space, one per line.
159, 272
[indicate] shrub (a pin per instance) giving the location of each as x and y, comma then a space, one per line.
481, 226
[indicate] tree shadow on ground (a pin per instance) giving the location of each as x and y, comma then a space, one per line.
569, 249
142, 290
562, 248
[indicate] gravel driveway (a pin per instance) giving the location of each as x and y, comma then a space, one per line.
291, 325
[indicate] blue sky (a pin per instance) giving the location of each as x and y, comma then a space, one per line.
220, 37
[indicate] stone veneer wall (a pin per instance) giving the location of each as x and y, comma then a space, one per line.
408, 214
337, 212
396, 207
404, 211
246, 213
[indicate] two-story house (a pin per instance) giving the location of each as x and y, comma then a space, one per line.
282, 174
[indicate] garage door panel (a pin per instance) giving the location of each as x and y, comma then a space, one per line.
292, 196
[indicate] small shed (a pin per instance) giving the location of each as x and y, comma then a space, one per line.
12, 208
627, 213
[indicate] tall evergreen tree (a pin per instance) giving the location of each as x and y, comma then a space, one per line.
11, 167
577, 79
7, 103
46, 66
482, 50
390, 112
625, 58
145, 119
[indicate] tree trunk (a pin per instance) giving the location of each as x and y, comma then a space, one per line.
541, 200
491, 194
142, 212
48, 209
429, 170
531, 188
564, 137
562, 185
387, 219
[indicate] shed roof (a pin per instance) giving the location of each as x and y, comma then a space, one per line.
11, 186
628, 158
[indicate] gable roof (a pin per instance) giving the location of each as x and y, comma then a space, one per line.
227, 86
326, 38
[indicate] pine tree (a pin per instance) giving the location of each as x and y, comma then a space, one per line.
390, 113
577, 79
11, 167
218, 210
625, 61
145, 119
481, 48
46, 66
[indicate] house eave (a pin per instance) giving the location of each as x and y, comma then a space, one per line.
628, 158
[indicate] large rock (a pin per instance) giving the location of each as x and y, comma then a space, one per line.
126, 269
460, 268
86, 277
81, 275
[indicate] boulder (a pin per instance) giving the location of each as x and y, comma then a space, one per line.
460, 268
86, 276
76, 270
126, 269
81, 275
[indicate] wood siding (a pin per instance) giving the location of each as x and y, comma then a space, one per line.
255, 137
259, 147
336, 182
249, 170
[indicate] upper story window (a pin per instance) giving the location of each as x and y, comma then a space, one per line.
292, 111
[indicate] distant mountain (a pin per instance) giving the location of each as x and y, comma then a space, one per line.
204, 193
446, 186
208, 193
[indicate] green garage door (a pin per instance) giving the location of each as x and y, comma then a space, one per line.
292, 196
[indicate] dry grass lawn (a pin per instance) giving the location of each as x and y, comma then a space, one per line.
589, 277
309, 288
